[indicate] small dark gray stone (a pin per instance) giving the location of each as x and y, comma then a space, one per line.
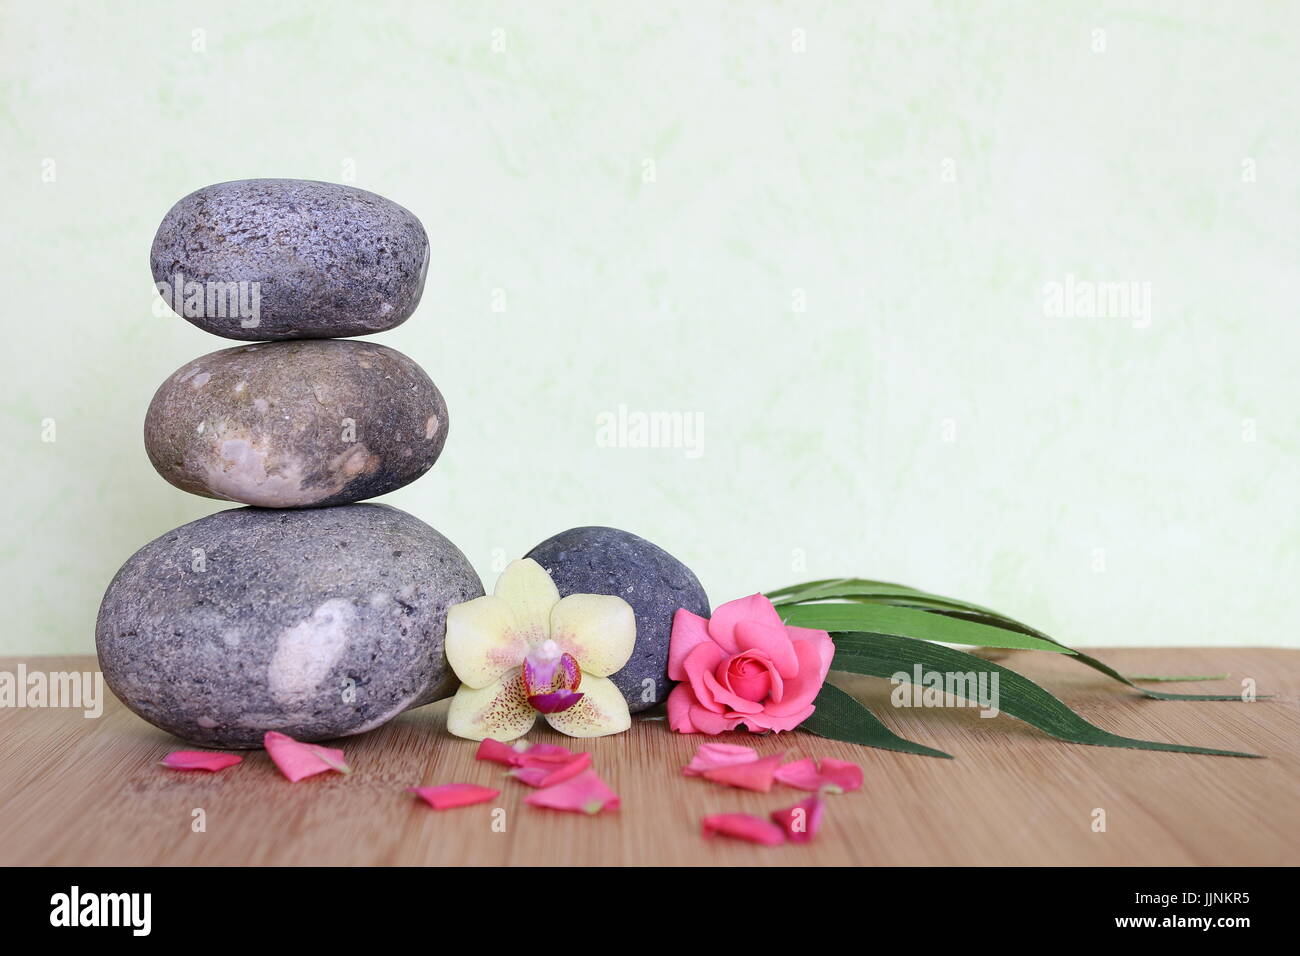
296, 424
319, 623
298, 259
598, 560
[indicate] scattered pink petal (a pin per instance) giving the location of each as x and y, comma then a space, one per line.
546, 772
752, 775
847, 776
744, 826
802, 821
548, 750
449, 795
497, 752
833, 776
199, 760
297, 760
712, 756
585, 793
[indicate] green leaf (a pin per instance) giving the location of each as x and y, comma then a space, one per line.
840, 716
1178, 678
886, 655
911, 623
880, 592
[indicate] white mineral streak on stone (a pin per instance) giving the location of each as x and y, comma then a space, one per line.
207, 722
261, 404
241, 475
355, 461
200, 380
431, 427
305, 653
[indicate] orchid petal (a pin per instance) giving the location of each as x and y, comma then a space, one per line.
548, 775
801, 821
531, 594
483, 641
744, 826
752, 775
448, 795
500, 711
199, 760
585, 793
602, 710
713, 756
555, 702
298, 760
598, 629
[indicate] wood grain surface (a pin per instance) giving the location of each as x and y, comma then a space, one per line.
90, 791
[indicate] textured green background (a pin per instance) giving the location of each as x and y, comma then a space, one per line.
914, 174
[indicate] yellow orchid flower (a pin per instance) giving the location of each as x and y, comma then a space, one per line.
524, 650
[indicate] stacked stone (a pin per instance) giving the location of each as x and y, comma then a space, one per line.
306, 613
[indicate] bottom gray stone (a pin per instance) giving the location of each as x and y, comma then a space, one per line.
317, 623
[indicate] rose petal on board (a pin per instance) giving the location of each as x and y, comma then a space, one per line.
199, 760
847, 776
448, 795
801, 821
498, 752
298, 760
535, 751
744, 826
713, 756
585, 793
832, 776
752, 775
549, 773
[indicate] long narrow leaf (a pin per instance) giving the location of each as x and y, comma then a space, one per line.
910, 623
880, 592
886, 655
840, 716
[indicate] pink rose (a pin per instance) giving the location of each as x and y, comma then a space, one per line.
744, 666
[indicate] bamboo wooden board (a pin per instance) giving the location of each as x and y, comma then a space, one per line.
81, 791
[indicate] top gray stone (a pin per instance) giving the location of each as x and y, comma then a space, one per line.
261, 259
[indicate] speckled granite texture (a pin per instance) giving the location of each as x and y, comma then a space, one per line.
327, 260
318, 623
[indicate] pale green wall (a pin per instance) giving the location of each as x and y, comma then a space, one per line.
775, 171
